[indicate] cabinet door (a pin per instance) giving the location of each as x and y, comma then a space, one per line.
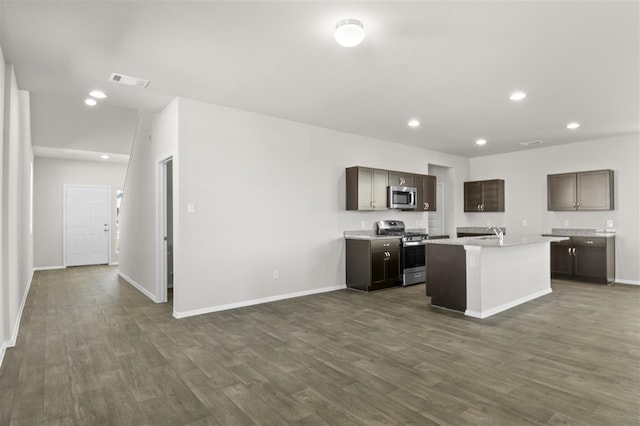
393, 266
380, 183
365, 189
493, 195
378, 269
590, 258
595, 190
561, 192
472, 196
561, 259
401, 179
426, 198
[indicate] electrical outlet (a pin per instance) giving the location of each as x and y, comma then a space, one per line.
609, 223
191, 207
276, 274
363, 224
565, 223
524, 222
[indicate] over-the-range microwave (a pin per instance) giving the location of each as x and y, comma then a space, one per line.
401, 197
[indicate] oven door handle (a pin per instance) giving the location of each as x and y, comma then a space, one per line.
414, 243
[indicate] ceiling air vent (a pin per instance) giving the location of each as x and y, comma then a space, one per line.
128, 80
530, 143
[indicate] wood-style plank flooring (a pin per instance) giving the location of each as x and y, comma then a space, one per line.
92, 350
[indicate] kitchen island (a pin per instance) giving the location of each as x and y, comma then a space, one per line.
482, 276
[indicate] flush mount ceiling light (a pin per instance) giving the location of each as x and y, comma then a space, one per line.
349, 32
98, 94
90, 102
413, 123
105, 157
517, 96
481, 142
573, 125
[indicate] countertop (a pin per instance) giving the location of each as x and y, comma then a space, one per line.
371, 235
580, 232
479, 229
494, 241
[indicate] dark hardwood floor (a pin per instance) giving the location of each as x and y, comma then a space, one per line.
92, 350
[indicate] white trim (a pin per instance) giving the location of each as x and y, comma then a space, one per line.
244, 303
504, 307
161, 228
138, 287
14, 336
631, 282
3, 350
48, 268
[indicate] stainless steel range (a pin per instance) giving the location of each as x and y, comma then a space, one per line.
413, 256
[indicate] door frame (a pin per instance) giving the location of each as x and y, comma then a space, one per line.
64, 219
161, 220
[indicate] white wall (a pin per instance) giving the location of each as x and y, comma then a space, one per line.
270, 194
525, 175
17, 239
156, 139
4, 307
50, 176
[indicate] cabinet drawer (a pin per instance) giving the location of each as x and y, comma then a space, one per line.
385, 244
589, 241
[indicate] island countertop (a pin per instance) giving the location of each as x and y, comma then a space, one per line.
493, 241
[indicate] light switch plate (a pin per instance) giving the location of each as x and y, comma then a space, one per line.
609, 223
191, 207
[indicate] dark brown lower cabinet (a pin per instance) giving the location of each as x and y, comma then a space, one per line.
447, 276
373, 264
584, 259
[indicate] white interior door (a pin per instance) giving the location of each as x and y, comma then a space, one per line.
87, 220
436, 219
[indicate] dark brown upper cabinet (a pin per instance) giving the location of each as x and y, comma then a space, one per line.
366, 188
426, 199
400, 179
583, 191
484, 196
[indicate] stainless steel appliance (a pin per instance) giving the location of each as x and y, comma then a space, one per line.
402, 197
413, 255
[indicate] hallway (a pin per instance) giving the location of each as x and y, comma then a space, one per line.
92, 350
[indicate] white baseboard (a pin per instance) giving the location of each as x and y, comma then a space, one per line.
14, 334
504, 307
3, 350
114, 263
244, 303
138, 287
632, 282
48, 268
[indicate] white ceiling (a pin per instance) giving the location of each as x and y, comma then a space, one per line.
452, 65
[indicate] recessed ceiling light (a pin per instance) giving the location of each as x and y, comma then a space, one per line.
90, 102
105, 157
413, 123
97, 94
573, 125
481, 142
349, 32
517, 96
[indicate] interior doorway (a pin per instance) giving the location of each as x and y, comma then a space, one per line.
87, 220
436, 219
165, 275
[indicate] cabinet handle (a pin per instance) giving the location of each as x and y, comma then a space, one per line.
478, 207
401, 181
588, 242
574, 251
386, 244
578, 204
426, 205
569, 251
370, 203
481, 207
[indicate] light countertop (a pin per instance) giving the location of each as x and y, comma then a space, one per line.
581, 232
494, 241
